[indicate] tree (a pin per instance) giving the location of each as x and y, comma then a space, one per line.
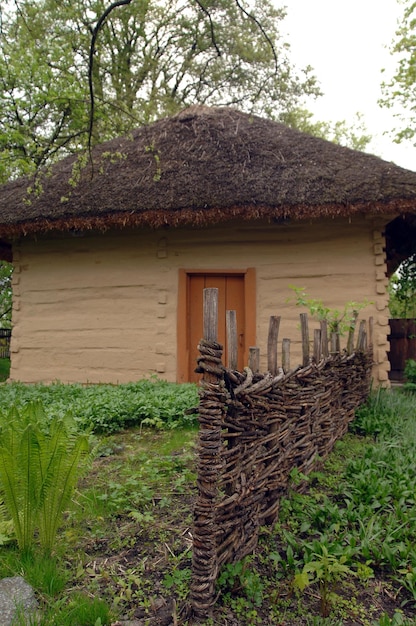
402, 290
400, 90
152, 58
6, 270
354, 136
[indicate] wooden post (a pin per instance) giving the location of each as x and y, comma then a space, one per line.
362, 339
286, 355
370, 332
350, 342
305, 337
334, 343
232, 354
317, 345
324, 339
274, 324
211, 314
254, 359
211, 411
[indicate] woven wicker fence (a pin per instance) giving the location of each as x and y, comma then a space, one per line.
254, 430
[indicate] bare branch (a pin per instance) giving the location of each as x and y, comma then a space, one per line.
262, 30
95, 32
211, 25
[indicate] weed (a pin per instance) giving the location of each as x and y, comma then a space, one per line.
241, 577
179, 580
325, 569
397, 620
111, 408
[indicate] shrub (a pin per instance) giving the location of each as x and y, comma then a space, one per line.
410, 375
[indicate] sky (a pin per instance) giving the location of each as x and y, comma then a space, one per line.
347, 43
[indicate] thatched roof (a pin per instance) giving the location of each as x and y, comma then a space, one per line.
203, 166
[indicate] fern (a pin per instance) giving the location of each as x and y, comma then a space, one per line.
40, 463
63, 450
16, 488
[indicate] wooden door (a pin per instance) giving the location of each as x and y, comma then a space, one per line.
232, 295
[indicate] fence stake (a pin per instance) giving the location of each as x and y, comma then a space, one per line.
324, 339
232, 355
317, 345
334, 343
272, 344
305, 337
211, 416
350, 342
211, 314
361, 341
370, 332
286, 355
254, 359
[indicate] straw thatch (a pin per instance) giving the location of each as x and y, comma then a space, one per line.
203, 166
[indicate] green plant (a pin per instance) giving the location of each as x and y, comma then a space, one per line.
398, 619
40, 463
240, 576
106, 409
317, 620
339, 321
402, 290
326, 569
85, 611
179, 580
410, 375
4, 369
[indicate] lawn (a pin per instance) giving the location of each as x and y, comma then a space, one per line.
341, 553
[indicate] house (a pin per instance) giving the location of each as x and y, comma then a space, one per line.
111, 256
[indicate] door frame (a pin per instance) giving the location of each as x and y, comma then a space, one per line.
250, 300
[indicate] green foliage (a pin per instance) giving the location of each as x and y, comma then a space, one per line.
397, 620
399, 91
385, 415
410, 376
85, 611
178, 580
325, 569
363, 521
402, 290
151, 60
355, 136
241, 577
110, 408
4, 369
339, 321
6, 271
40, 463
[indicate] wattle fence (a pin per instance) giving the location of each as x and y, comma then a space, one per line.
256, 428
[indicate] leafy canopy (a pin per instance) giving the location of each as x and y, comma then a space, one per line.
150, 59
6, 270
400, 89
402, 290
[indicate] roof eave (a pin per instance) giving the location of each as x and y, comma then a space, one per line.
202, 217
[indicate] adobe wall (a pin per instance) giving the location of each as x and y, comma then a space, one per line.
102, 307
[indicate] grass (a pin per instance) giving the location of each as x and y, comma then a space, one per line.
4, 369
341, 553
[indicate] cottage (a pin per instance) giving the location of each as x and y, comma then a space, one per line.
111, 255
